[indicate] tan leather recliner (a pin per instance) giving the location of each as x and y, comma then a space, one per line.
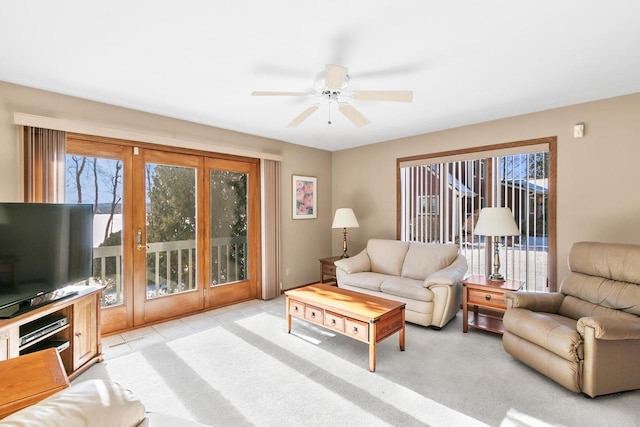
587, 336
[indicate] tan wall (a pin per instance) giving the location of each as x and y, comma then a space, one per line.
303, 241
598, 185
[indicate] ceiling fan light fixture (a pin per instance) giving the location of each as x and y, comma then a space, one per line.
330, 85
335, 76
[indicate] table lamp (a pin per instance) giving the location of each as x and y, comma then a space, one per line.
496, 222
344, 218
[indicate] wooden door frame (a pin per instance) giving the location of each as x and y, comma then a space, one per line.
226, 294
121, 316
148, 311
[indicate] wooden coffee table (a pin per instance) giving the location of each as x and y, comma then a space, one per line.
360, 316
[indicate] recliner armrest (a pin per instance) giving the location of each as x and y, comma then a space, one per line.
448, 276
355, 264
546, 302
611, 328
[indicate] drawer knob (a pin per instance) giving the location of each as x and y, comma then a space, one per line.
487, 297
313, 314
295, 308
355, 329
333, 321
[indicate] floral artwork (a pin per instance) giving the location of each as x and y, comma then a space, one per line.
305, 195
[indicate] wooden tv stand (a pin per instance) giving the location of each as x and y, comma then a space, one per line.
82, 331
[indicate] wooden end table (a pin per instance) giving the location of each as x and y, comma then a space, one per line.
30, 378
480, 292
327, 268
359, 316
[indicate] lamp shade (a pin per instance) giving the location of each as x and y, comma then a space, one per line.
345, 218
496, 222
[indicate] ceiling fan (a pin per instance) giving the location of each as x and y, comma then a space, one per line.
331, 84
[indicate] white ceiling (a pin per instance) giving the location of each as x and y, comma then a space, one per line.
466, 61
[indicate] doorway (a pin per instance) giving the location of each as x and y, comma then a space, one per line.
175, 231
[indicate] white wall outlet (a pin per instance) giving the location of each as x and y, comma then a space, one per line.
578, 131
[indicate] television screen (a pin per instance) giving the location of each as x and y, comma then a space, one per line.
43, 248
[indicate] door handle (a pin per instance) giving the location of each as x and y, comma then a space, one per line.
140, 245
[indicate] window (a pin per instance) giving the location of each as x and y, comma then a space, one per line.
441, 197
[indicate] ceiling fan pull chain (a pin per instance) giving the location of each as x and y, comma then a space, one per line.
329, 121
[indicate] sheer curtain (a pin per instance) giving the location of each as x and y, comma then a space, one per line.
44, 154
270, 228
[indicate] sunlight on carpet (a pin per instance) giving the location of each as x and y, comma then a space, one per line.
257, 372
404, 399
133, 371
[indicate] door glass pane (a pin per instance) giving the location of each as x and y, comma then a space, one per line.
171, 229
228, 220
99, 181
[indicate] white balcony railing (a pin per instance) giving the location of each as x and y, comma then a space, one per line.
227, 265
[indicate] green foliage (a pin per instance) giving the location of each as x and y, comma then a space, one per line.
172, 196
228, 218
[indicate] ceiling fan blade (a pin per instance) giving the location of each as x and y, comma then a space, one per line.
303, 116
269, 93
352, 114
334, 76
383, 95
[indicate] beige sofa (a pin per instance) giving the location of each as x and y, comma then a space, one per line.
587, 336
425, 276
92, 403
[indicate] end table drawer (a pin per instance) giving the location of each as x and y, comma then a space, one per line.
334, 321
314, 314
296, 308
487, 299
329, 269
356, 329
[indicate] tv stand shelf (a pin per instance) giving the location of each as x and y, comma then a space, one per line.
77, 341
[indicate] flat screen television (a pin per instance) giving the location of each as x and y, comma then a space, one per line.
44, 248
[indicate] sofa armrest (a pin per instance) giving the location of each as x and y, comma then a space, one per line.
355, 264
448, 276
547, 302
89, 403
611, 328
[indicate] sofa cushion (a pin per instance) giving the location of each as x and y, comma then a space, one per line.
92, 403
406, 288
366, 280
553, 332
424, 259
387, 256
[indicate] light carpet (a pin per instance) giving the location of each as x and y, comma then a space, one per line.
246, 370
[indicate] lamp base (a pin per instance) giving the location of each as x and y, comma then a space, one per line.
344, 244
496, 277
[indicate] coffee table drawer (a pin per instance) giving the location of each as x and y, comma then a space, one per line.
356, 329
334, 321
314, 314
296, 308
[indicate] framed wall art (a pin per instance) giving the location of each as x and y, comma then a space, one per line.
304, 197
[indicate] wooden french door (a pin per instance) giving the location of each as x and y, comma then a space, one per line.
177, 232
167, 219
232, 252
100, 173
